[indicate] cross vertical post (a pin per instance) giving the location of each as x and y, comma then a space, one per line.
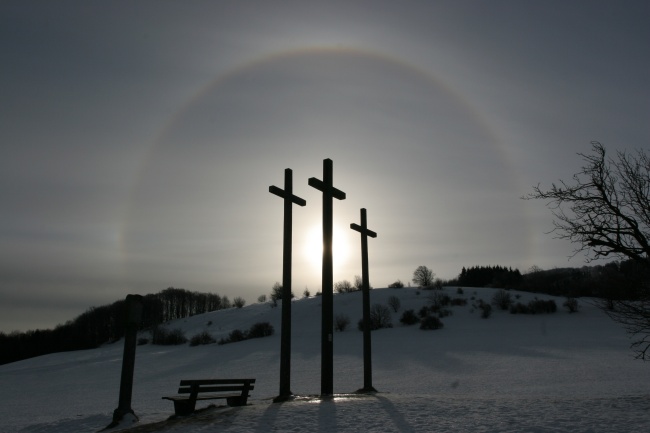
133, 307
327, 337
367, 345
285, 337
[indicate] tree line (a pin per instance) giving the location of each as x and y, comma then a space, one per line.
105, 324
611, 282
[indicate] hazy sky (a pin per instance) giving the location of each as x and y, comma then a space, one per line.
139, 139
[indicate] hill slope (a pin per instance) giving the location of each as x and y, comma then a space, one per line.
522, 364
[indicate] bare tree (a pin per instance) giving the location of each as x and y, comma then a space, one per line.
423, 276
605, 211
343, 286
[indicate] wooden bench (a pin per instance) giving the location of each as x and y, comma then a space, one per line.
235, 391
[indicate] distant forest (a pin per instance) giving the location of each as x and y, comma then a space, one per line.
105, 324
615, 280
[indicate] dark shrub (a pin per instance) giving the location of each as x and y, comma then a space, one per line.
260, 329
142, 341
344, 287
431, 322
424, 312
458, 302
518, 308
394, 303
239, 302
459, 291
341, 322
396, 285
409, 318
502, 299
539, 306
202, 338
235, 336
439, 300
486, 309
379, 318
165, 337
536, 306
571, 304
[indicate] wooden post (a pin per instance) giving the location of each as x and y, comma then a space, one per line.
133, 307
367, 349
327, 338
285, 337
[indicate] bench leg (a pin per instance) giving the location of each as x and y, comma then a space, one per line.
184, 407
237, 401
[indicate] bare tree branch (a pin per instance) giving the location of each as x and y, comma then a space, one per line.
605, 211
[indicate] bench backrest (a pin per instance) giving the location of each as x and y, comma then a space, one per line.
216, 385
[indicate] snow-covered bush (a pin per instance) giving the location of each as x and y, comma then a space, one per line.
166, 337
502, 299
486, 309
409, 318
571, 304
431, 322
380, 317
394, 303
341, 322
202, 338
260, 329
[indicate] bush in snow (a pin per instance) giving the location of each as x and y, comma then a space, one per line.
202, 338
486, 309
571, 304
409, 318
394, 303
438, 300
165, 337
260, 329
539, 306
456, 302
379, 318
502, 299
341, 322
431, 322
396, 285
536, 306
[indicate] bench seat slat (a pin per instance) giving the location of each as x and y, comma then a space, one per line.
216, 382
201, 397
210, 388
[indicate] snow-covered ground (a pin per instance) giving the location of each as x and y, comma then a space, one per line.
509, 373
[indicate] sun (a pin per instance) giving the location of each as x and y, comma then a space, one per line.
313, 248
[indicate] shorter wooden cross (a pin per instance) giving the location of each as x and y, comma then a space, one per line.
367, 349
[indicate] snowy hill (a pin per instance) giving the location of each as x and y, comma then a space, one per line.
509, 372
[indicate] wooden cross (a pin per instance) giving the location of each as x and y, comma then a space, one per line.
367, 352
285, 338
327, 344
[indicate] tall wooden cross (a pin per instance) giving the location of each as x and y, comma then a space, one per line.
367, 349
285, 338
327, 344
